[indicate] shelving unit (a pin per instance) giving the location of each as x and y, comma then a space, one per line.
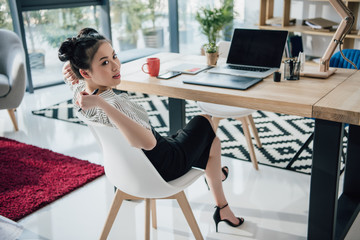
267, 12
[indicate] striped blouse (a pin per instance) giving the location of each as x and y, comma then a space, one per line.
120, 102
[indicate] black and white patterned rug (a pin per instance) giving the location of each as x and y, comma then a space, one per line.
281, 135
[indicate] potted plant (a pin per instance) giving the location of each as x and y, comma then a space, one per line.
36, 56
153, 36
211, 52
213, 20
130, 22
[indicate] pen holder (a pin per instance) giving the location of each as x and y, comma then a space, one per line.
291, 69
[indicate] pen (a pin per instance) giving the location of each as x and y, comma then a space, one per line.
93, 93
291, 65
302, 61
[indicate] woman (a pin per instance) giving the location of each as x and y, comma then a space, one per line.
94, 65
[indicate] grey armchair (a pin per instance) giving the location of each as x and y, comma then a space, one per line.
12, 73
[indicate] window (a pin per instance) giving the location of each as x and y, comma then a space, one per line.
44, 24
5, 15
45, 30
139, 27
191, 39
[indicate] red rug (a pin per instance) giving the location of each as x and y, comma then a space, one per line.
32, 177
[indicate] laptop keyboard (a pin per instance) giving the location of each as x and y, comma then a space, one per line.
248, 68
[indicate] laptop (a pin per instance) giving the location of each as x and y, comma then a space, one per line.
224, 81
254, 53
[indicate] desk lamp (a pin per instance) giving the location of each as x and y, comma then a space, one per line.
343, 29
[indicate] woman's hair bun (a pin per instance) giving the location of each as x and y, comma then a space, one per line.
66, 49
88, 32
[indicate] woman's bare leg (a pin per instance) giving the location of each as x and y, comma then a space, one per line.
214, 178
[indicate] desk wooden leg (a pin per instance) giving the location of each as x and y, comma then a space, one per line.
176, 115
325, 179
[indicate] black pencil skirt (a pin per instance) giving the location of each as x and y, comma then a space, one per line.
190, 147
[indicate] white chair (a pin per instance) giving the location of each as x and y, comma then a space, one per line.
12, 73
244, 115
130, 171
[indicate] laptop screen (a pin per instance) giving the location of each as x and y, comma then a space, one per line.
254, 47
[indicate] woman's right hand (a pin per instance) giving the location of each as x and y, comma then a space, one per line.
87, 101
69, 74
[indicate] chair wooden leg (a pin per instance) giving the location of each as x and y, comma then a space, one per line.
147, 219
249, 142
216, 121
115, 206
13, 118
186, 209
153, 213
254, 131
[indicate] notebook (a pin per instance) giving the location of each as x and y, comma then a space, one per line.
254, 53
224, 81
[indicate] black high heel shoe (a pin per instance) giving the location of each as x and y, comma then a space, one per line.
225, 171
218, 219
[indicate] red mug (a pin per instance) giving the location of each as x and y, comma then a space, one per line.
153, 66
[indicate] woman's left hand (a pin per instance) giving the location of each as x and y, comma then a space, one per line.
69, 74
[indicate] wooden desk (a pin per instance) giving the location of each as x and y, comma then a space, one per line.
342, 104
324, 99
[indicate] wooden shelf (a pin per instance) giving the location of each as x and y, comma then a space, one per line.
327, 1
267, 11
307, 30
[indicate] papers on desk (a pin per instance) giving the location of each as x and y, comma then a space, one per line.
278, 21
321, 24
189, 68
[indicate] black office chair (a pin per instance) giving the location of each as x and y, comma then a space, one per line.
336, 61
